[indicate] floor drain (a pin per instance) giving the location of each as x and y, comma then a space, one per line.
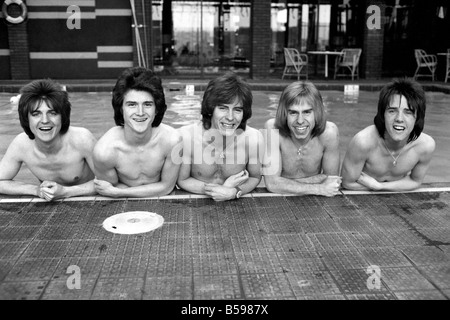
133, 222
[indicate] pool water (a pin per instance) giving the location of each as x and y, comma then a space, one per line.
351, 113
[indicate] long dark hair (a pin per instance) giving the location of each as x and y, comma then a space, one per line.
224, 90
415, 96
140, 79
38, 91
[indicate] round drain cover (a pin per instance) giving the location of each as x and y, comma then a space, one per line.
133, 222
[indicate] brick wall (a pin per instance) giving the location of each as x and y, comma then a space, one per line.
19, 51
261, 36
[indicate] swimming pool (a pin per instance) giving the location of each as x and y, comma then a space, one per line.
351, 113
264, 246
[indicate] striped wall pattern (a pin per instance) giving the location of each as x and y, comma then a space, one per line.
5, 65
100, 49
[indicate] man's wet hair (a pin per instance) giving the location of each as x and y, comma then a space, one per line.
33, 94
296, 93
415, 97
139, 79
224, 90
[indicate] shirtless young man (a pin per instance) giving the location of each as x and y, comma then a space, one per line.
58, 155
221, 153
394, 154
306, 159
134, 159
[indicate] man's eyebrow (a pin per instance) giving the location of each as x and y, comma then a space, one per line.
132, 101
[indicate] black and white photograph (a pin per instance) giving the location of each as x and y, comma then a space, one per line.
225, 158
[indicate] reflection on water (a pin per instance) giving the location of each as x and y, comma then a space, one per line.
351, 97
185, 109
350, 113
182, 109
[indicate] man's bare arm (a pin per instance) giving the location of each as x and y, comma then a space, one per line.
84, 142
169, 175
331, 156
9, 167
163, 187
50, 190
104, 162
415, 178
319, 184
185, 181
352, 166
256, 148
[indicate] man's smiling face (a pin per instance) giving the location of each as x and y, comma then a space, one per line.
399, 119
45, 123
227, 117
301, 120
139, 110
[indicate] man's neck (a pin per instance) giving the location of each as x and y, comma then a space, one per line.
300, 143
394, 145
138, 139
50, 147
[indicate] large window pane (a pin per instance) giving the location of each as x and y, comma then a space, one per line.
205, 37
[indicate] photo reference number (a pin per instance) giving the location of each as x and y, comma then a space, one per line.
229, 309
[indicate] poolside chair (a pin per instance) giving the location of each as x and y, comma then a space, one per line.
295, 62
447, 72
427, 61
348, 63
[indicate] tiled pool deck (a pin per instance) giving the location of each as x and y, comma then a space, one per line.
262, 246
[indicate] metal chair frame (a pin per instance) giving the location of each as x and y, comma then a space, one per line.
295, 62
427, 61
348, 60
447, 72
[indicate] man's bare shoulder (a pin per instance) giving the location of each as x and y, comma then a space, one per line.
331, 132
105, 147
426, 143
112, 135
81, 137
366, 139
250, 131
20, 145
81, 131
270, 124
169, 135
331, 128
22, 139
254, 135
